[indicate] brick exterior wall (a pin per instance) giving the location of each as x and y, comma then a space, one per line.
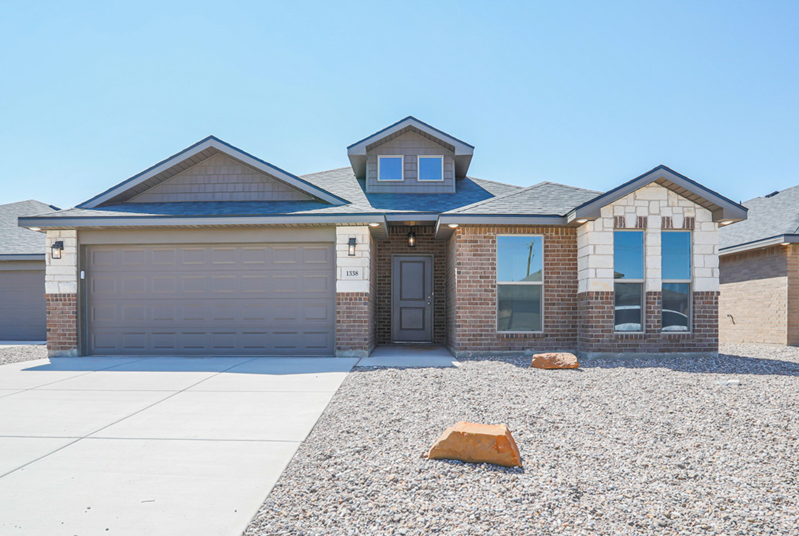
62, 324
473, 249
759, 301
596, 334
397, 244
452, 291
353, 324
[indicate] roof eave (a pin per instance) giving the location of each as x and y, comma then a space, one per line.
443, 229
760, 244
67, 222
22, 257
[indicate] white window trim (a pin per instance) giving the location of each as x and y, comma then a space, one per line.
690, 281
642, 282
419, 168
539, 283
402, 167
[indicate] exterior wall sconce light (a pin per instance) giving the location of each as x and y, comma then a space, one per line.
56, 249
411, 239
351, 247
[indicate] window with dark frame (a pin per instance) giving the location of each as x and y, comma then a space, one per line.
629, 274
675, 258
520, 283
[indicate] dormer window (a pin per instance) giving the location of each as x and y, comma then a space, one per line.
389, 168
431, 168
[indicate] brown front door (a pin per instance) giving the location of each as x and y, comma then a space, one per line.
412, 299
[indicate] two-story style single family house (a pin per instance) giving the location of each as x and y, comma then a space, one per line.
216, 252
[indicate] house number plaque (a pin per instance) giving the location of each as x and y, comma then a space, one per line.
352, 273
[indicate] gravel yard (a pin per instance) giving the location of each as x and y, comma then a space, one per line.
15, 354
615, 447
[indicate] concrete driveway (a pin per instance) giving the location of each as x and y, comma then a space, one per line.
152, 446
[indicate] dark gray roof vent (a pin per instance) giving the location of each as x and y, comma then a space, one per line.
772, 194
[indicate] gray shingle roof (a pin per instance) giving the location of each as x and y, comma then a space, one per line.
768, 217
15, 240
544, 198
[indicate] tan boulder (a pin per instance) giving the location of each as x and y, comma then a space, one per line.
477, 443
561, 360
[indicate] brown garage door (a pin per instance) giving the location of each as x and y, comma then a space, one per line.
253, 299
22, 307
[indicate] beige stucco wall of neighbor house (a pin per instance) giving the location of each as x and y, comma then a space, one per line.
652, 202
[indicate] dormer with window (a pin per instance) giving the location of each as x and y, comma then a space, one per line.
410, 157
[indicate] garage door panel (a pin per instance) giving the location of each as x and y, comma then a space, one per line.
257, 299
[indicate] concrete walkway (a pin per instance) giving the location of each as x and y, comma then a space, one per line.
409, 355
152, 446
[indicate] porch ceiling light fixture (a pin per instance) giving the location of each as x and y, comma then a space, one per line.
725, 222
56, 249
374, 224
411, 239
582, 220
453, 225
351, 247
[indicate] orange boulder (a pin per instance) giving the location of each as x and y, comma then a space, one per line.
477, 443
555, 361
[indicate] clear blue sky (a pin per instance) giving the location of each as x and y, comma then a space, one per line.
580, 93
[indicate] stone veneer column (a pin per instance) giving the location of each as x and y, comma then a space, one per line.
354, 322
61, 295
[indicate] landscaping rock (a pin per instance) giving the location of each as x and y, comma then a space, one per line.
561, 360
477, 443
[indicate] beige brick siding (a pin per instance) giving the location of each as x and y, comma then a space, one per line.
759, 300
220, 178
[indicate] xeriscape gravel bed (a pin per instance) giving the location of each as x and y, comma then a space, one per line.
15, 354
616, 447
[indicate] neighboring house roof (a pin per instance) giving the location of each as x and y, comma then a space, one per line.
723, 209
772, 219
462, 151
18, 243
192, 155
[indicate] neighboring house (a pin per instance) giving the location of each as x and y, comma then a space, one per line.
216, 252
759, 263
22, 308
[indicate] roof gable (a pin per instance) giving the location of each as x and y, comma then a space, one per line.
723, 209
220, 178
462, 151
200, 151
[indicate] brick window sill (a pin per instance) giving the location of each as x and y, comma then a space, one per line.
504, 335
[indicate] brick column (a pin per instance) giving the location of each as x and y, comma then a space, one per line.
354, 307
61, 295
